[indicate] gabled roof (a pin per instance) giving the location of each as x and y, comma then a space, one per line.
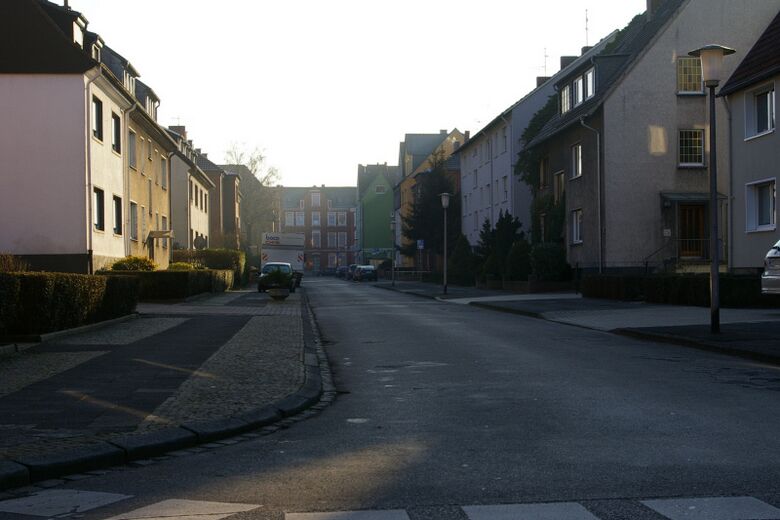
142, 91
611, 64
368, 173
420, 146
207, 166
762, 62
32, 42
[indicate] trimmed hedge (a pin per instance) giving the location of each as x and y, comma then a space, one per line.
679, 289
216, 259
178, 285
37, 303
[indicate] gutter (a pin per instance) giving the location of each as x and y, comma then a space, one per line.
88, 134
598, 198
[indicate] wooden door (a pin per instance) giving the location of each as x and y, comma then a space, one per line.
692, 230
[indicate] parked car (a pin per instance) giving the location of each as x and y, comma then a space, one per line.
267, 279
341, 272
770, 280
350, 271
365, 273
328, 271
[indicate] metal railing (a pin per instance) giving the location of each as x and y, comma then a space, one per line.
677, 252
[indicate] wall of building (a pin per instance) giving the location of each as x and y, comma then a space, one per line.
754, 159
643, 116
377, 205
43, 193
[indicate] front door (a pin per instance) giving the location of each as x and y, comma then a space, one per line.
692, 232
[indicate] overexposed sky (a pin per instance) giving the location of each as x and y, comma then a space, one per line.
324, 85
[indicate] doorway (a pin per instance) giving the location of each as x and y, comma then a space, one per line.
692, 230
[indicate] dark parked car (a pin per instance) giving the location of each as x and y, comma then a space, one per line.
341, 272
350, 271
267, 275
365, 273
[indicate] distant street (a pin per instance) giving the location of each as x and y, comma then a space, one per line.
444, 408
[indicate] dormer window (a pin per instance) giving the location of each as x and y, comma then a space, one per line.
96, 52
590, 83
78, 34
579, 91
129, 82
565, 99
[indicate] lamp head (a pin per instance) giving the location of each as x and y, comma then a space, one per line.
445, 200
712, 62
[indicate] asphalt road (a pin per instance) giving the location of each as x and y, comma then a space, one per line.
443, 405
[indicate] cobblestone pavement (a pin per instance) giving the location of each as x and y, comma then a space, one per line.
257, 362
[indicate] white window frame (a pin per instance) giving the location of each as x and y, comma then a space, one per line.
132, 153
682, 164
300, 219
342, 239
342, 218
576, 161
565, 99
133, 221
116, 211
576, 226
680, 68
590, 83
751, 111
315, 199
315, 219
751, 206
98, 209
332, 239
331, 219
316, 239
578, 91
289, 219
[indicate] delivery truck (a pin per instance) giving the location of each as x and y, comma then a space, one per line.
284, 247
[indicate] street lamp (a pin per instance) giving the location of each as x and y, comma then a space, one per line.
445, 203
392, 252
711, 72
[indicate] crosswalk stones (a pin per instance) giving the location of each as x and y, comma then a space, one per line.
56, 502
350, 515
185, 510
559, 511
719, 508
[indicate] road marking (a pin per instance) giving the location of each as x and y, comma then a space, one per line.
559, 511
718, 508
56, 502
185, 510
397, 514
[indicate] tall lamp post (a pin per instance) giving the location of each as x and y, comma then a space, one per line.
711, 72
392, 252
445, 203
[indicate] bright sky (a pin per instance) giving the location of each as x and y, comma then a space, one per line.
324, 85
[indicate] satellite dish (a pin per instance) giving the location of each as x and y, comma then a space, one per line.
199, 243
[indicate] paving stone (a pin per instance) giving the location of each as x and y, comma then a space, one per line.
168, 509
716, 508
56, 502
558, 511
396, 514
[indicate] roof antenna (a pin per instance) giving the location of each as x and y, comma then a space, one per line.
587, 39
545, 61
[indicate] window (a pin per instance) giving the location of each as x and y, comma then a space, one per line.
342, 218
315, 219
380, 190
590, 83
332, 260
544, 173
149, 195
689, 76
576, 161
559, 187
132, 160
565, 99
576, 226
760, 114
476, 178
342, 239
300, 204
761, 206
192, 191
691, 148
164, 173
97, 118
316, 239
579, 90
149, 149
117, 215
506, 188
143, 223
315, 200
331, 239
133, 221
98, 207
300, 218
331, 218
165, 228
289, 218
116, 133
205, 202
503, 139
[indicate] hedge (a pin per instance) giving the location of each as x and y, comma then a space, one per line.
38, 303
178, 285
679, 289
216, 259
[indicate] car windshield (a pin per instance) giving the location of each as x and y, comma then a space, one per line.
276, 267
776, 247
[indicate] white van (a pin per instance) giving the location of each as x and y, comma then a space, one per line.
770, 280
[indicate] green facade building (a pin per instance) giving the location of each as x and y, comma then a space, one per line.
375, 207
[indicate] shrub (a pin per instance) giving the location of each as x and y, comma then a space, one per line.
548, 263
46, 302
134, 263
9, 296
178, 285
277, 277
518, 262
491, 268
217, 259
12, 264
462, 265
181, 266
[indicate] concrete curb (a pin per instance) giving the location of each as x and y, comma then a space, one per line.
28, 469
34, 339
498, 308
697, 344
410, 293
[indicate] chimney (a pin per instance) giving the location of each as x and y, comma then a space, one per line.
181, 130
586, 49
443, 132
66, 5
468, 134
652, 8
541, 80
205, 155
567, 60
197, 151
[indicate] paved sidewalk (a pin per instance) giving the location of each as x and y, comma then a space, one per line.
752, 333
174, 375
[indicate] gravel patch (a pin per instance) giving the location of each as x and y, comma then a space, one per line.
259, 365
25, 368
123, 333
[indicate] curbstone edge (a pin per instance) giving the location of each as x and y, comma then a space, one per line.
86, 458
13, 474
150, 444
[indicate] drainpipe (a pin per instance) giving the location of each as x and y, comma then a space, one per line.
598, 198
511, 194
88, 134
169, 185
126, 178
731, 186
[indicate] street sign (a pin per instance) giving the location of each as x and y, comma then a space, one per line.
421, 245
